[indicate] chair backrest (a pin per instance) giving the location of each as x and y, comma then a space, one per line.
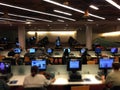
115, 88
35, 88
80, 88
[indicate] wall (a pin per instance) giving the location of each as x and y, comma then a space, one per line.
52, 35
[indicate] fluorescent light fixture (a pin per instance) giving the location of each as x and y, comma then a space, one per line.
118, 19
39, 12
15, 15
71, 8
29, 17
117, 33
60, 20
113, 3
58, 11
8, 19
93, 7
89, 20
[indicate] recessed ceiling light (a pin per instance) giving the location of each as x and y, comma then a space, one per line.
89, 20
60, 20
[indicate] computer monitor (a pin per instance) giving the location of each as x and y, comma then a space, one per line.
67, 49
83, 50
17, 50
57, 43
114, 50
105, 63
98, 50
49, 50
5, 67
41, 63
32, 50
74, 65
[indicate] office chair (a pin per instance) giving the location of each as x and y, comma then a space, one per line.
115, 88
80, 88
33, 88
27, 60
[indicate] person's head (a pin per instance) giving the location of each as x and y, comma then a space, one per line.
116, 66
34, 70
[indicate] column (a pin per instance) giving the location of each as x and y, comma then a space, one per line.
21, 36
89, 37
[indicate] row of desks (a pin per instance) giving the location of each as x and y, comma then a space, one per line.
59, 53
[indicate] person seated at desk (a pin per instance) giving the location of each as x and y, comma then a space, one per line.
11, 52
65, 56
41, 53
35, 80
3, 85
84, 57
113, 78
28, 54
18, 60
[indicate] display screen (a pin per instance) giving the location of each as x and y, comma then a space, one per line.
41, 63
105, 63
114, 50
67, 49
49, 50
98, 50
83, 50
74, 65
5, 67
17, 50
57, 43
32, 50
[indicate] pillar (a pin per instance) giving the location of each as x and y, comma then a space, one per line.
89, 37
21, 36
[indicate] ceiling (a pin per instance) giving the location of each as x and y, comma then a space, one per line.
106, 10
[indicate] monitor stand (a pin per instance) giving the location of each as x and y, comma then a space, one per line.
75, 76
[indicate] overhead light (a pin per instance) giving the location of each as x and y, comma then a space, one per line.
30, 10
93, 7
9, 19
89, 20
58, 11
71, 8
28, 22
29, 17
118, 19
10, 14
60, 20
113, 3
117, 33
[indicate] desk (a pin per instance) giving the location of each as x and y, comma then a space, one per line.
61, 82
61, 75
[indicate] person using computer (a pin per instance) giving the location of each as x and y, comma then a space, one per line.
36, 80
113, 78
65, 56
84, 57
